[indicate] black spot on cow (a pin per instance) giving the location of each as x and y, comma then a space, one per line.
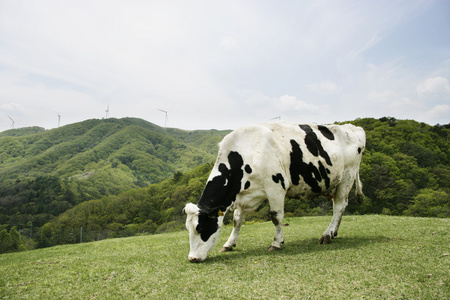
315, 172
313, 144
207, 226
326, 132
273, 216
324, 173
224, 170
310, 174
279, 179
220, 193
359, 150
296, 162
248, 169
247, 185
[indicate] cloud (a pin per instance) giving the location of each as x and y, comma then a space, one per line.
287, 103
229, 43
389, 98
438, 112
324, 87
434, 87
19, 101
289, 108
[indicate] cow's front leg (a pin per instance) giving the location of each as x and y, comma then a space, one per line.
238, 219
277, 219
340, 202
332, 229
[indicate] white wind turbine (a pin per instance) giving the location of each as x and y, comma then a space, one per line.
59, 118
107, 112
165, 120
12, 124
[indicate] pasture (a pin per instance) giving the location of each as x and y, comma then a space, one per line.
374, 256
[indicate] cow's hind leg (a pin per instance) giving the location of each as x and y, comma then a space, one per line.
277, 215
238, 219
340, 202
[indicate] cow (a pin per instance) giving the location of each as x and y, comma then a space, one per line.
271, 161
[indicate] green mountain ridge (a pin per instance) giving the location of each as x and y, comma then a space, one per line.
22, 131
46, 172
77, 148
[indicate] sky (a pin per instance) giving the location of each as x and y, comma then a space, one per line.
223, 64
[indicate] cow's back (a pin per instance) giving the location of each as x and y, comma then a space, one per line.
302, 159
311, 159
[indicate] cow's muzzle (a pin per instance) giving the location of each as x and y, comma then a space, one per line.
194, 259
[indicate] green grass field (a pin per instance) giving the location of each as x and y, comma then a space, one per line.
373, 257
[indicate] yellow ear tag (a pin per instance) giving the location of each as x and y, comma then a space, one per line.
220, 213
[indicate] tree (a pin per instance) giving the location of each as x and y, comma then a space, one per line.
46, 237
11, 241
430, 203
5, 241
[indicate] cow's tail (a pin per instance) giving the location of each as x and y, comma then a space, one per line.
359, 193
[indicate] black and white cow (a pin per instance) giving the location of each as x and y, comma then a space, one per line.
268, 161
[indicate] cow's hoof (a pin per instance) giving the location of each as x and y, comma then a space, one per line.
325, 239
226, 249
273, 248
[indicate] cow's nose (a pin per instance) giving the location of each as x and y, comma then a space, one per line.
194, 259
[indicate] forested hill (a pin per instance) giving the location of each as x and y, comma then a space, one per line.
405, 168
22, 131
44, 173
405, 171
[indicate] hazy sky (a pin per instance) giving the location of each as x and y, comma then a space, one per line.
223, 64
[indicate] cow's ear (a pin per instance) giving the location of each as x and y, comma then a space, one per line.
215, 214
191, 208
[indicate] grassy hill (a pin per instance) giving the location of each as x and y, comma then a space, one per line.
374, 256
44, 173
147, 149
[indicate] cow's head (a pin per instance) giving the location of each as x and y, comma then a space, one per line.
204, 230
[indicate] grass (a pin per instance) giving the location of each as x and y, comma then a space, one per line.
373, 257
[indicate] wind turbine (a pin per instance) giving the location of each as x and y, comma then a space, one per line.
59, 118
12, 124
165, 120
107, 112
